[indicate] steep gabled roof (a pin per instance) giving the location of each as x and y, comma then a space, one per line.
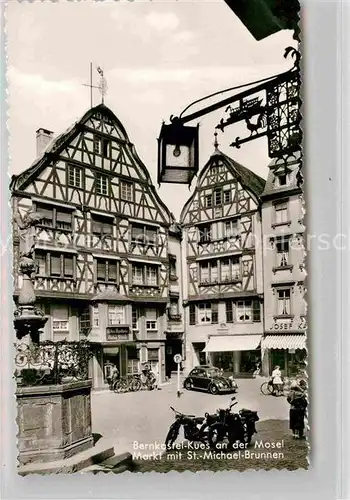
248, 179
57, 144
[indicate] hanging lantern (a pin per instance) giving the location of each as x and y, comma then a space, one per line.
177, 153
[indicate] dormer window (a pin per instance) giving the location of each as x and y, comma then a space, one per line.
282, 179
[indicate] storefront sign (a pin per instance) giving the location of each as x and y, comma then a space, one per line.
281, 326
118, 332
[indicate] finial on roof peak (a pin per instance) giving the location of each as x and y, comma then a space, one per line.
216, 144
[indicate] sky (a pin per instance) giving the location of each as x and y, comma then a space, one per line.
157, 57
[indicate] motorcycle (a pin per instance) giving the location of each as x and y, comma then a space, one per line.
233, 427
195, 428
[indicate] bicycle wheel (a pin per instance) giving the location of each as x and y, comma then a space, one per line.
120, 386
136, 384
266, 389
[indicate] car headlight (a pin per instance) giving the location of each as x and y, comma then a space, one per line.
220, 384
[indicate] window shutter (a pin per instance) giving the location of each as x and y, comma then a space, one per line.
137, 233
68, 266
229, 312
107, 228
112, 271
214, 312
256, 311
192, 314
56, 265
64, 217
96, 226
101, 270
150, 236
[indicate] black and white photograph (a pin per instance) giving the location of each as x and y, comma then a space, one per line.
158, 236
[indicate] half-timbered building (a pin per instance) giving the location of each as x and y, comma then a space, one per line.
223, 284
284, 342
102, 244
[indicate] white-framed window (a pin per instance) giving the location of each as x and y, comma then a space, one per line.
204, 272
75, 175
244, 313
137, 274
231, 228
106, 271
135, 318
101, 226
97, 144
218, 196
206, 313
214, 271
54, 264
101, 184
283, 302
151, 319
143, 274
60, 318
151, 275
225, 269
235, 268
144, 235
55, 217
126, 191
282, 248
227, 196
95, 316
116, 315
281, 212
209, 200
205, 234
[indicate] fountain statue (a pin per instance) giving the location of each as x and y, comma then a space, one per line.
29, 320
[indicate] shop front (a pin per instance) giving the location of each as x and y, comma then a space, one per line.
111, 355
286, 351
235, 354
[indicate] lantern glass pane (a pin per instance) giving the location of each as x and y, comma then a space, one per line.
178, 156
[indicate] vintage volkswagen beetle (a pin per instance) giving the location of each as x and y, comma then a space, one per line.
211, 379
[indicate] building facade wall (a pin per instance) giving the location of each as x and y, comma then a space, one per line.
222, 266
284, 270
102, 246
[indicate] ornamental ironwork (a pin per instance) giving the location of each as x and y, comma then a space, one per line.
50, 362
270, 109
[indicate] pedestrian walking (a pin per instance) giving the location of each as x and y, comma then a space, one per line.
276, 381
298, 404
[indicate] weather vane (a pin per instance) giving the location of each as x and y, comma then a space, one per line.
102, 87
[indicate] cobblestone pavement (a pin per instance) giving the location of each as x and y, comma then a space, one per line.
145, 416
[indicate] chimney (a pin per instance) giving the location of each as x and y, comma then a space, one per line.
43, 137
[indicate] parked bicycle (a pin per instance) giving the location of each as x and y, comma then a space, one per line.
267, 389
145, 380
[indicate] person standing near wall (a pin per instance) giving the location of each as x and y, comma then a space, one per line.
298, 404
